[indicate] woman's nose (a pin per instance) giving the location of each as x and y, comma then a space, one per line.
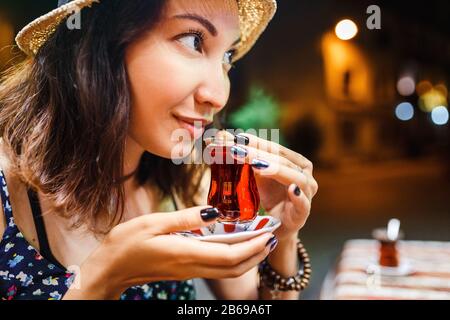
214, 89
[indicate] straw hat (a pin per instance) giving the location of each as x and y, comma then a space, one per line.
254, 16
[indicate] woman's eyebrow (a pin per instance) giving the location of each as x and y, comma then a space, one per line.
203, 21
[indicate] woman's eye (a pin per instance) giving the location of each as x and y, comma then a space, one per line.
193, 41
229, 56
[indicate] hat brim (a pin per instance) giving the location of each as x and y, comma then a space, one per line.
254, 16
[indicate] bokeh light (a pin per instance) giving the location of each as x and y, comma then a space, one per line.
440, 116
404, 111
406, 86
423, 87
432, 99
442, 89
346, 29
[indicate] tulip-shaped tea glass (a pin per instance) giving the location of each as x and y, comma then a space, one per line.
233, 187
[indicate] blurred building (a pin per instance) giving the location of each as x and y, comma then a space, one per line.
344, 94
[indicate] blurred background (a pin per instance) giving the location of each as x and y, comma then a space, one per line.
368, 106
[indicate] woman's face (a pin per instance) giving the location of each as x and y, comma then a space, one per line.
178, 72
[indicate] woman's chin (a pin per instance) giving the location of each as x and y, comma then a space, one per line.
175, 152
181, 150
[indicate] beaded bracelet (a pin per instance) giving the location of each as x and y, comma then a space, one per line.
273, 281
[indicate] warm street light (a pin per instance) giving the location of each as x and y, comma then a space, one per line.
346, 29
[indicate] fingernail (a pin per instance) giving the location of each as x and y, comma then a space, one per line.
238, 151
297, 191
209, 214
260, 164
243, 140
272, 243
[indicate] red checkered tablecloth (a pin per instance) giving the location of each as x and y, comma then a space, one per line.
428, 276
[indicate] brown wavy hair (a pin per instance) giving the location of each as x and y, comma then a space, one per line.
64, 116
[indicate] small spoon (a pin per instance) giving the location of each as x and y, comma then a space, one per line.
393, 229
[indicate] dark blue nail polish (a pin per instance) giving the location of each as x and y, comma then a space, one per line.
242, 140
238, 151
209, 214
271, 241
273, 245
297, 191
260, 164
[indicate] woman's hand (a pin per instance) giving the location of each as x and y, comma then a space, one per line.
284, 178
143, 250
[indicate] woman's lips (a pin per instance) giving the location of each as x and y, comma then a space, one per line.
196, 127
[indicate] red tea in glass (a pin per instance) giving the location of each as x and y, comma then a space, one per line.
233, 187
388, 253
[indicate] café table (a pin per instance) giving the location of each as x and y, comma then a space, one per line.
423, 272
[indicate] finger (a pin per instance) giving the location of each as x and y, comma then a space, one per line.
275, 148
220, 254
221, 135
287, 176
254, 156
275, 167
237, 270
182, 220
301, 204
282, 170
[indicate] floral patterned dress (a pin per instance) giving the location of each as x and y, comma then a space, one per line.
25, 273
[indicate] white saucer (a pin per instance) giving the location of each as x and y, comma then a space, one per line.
233, 233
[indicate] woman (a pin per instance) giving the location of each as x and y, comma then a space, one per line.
86, 123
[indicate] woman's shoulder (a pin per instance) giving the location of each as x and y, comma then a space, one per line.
18, 199
4, 167
5, 162
2, 221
